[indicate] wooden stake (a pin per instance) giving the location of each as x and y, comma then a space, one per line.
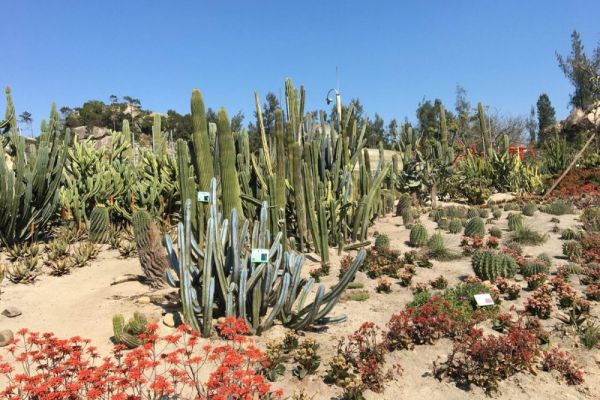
577, 156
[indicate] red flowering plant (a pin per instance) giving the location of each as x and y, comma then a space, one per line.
45, 367
562, 362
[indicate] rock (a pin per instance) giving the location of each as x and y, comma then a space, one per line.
220, 320
6, 337
169, 320
597, 359
143, 300
11, 312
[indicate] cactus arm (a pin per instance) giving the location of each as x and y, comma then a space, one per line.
283, 291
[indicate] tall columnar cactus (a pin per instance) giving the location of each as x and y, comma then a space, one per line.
299, 199
230, 186
153, 257
489, 265
487, 142
159, 139
99, 224
29, 183
221, 279
475, 227
418, 236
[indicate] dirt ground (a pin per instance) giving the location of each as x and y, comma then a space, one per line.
84, 302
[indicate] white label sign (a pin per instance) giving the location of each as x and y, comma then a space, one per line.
203, 197
484, 299
259, 255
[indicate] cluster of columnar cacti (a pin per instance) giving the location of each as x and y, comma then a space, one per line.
223, 277
475, 227
29, 178
489, 265
316, 175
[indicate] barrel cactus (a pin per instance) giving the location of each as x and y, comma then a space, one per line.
418, 236
572, 249
443, 224
382, 242
99, 224
455, 226
484, 213
489, 265
534, 267
408, 217
529, 209
570, 234
404, 203
472, 213
515, 221
497, 213
475, 227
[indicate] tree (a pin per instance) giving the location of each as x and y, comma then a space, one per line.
374, 132
531, 127
546, 116
392, 134
236, 122
582, 71
25, 118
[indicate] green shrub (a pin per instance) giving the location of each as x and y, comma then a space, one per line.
527, 236
559, 207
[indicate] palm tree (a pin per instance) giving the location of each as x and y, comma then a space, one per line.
25, 118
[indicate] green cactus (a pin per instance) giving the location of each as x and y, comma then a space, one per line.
404, 203
496, 232
455, 226
515, 221
128, 333
230, 186
99, 224
29, 184
533, 267
152, 255
572, 249
475, 227
230, 284
408, 217
529, 209
489, 265
382, 242
497, 213
436, 242
472, 213
570, 234
443, 224
418, 236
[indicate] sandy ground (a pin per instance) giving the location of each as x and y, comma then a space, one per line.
84, 302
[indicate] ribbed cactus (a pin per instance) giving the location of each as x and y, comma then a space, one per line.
220, 278
489, 265
404, 203
472, 213
127, 333
487, 143
408, 217
230, 186
99, 224
533, 267
153, 257
515, 221
418, 236
29, 181
529, 209
443, 224
436, 242
475, 227
455, 226
382, 242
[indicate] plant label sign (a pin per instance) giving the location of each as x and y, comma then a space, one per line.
484, 299
259, 255
203, 197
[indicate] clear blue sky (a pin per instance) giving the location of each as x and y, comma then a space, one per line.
390, 54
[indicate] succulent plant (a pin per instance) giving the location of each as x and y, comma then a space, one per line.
527, 236
152, 254
443, 224
495, 232
475, 227
455, 226
558, 207
404, 203
484, 213
382, 242
572, 249
497, 213
407, 217
489, 265
99, 229
529, 209
570, 234
472, 213
534, 267
515, 221
128, 333
418, 236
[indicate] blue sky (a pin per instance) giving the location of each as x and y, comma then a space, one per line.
390, 54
